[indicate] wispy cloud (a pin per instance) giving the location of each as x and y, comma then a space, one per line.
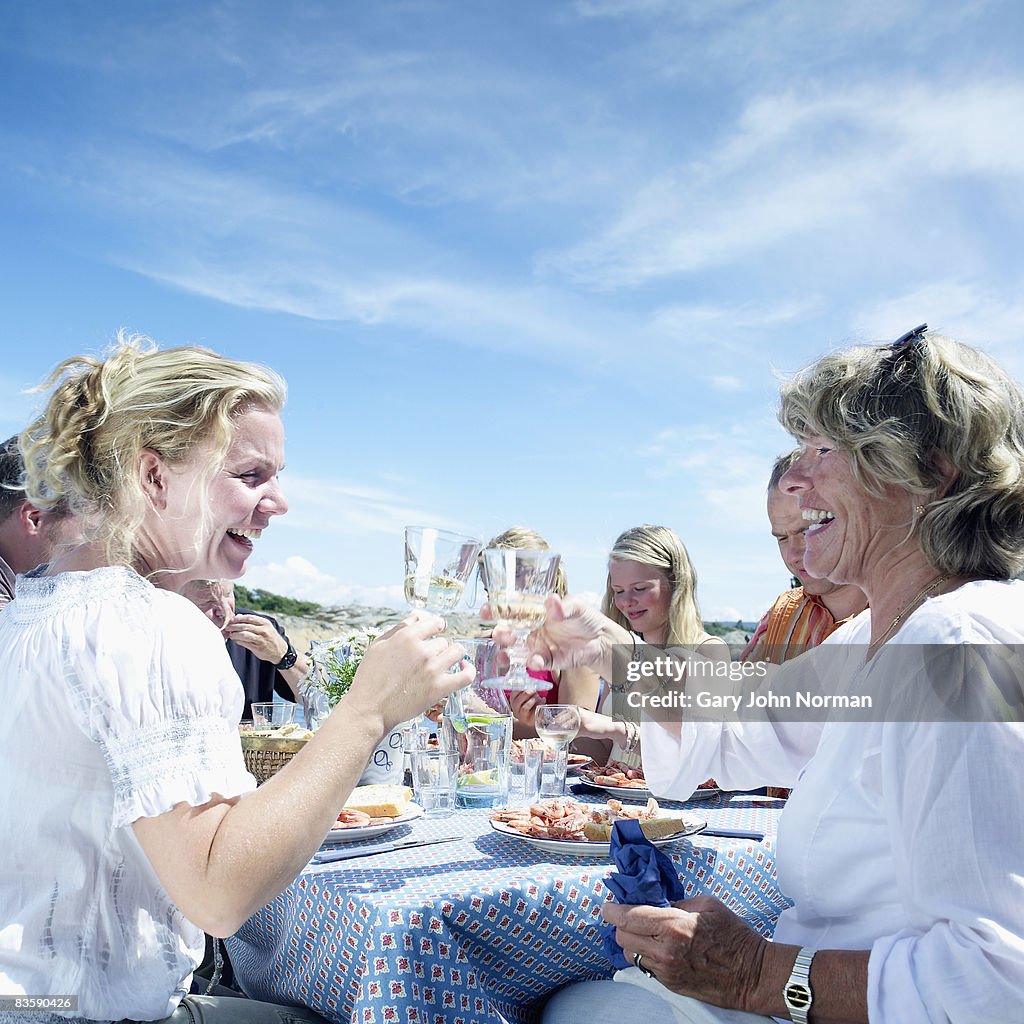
724, 471
966, 310
354, 509
298, 577
795, 165
266, 245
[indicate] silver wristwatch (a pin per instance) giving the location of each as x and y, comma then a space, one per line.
797, 993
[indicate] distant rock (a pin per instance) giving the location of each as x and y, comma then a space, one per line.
344, 620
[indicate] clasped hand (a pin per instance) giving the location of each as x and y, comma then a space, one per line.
696, 947
257, 634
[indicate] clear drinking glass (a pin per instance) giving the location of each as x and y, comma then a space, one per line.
518, 581
533, 768
557, 725
273, 714
434, 775
438, 564
477, 724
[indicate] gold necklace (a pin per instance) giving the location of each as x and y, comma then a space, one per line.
906, 609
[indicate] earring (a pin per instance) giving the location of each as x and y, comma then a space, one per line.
919, 510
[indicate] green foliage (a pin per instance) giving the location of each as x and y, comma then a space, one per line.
333, 664
265, 601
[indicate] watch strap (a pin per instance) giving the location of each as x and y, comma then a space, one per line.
797, 993
290, 656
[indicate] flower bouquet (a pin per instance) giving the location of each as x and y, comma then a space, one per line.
332, 667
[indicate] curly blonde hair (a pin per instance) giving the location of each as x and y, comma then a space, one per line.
102, 413
662, 548
897, 412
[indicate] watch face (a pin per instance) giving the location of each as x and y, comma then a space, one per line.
289, 659
798, 997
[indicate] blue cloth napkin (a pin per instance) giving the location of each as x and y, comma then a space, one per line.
645, 876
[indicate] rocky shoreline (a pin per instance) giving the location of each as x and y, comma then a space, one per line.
341, 622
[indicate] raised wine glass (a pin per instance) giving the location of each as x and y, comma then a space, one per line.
557, 725
518, 581
438, 564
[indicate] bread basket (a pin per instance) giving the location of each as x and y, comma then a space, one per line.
265, 754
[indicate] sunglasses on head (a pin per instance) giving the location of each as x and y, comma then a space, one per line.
906, 341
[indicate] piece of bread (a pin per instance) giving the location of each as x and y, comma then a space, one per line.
382, 800
656, 828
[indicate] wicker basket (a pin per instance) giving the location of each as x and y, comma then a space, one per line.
265, 755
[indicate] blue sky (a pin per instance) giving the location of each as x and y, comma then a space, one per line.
530, 262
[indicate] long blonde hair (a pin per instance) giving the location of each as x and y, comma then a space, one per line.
102, 413
660, 547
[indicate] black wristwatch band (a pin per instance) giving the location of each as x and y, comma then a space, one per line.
288, 660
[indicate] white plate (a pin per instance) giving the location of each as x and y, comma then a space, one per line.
642, 794
586, 847
349, 835
622, 792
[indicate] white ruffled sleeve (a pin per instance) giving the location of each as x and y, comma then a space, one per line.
159, 696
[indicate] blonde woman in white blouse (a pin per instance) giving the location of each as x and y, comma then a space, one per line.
130, 823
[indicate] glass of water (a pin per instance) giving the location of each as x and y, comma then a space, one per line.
434, 775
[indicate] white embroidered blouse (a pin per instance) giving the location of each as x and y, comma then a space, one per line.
119, 702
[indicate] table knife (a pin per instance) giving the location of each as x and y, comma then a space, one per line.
328, 856
731, 833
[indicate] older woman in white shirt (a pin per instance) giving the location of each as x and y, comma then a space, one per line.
130, 823
901, 844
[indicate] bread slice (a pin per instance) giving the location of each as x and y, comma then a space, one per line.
382, 800
655, 828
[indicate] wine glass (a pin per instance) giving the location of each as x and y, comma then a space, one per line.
438, 563
557, 725
518, 581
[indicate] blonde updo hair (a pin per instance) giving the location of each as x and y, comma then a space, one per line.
522, 538
84, 448
662, 548
896, 411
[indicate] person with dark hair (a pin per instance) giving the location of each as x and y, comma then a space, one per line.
803, 616
29, 536
259, 648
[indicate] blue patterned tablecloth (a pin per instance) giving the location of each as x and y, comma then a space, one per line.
476, 931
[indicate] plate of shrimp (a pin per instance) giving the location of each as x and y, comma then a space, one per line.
561, 825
